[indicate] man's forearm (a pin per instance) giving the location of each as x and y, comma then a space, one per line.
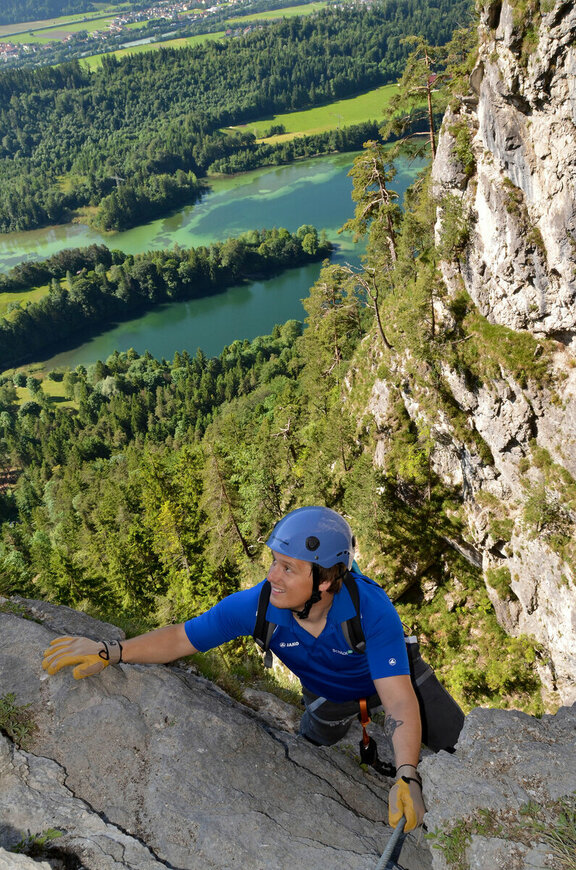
405, 730
403, 724
88, 657
157, 647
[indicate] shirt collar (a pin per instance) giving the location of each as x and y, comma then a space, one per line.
341, 610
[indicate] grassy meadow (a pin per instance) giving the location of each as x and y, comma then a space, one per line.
52, 390
342, 113
182, 42
21, 298
273, 14
56, 29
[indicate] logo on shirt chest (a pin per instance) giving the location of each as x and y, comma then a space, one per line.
283, 645
342, 652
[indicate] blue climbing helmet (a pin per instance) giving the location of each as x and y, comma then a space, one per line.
314, 534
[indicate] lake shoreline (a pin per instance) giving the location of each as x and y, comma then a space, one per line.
316, 192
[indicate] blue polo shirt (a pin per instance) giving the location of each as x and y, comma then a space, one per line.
325, 665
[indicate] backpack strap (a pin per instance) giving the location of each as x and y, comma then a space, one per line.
263, 629
352, 628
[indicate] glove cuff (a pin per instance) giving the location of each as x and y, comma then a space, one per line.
112, 652
412, 766
410, 779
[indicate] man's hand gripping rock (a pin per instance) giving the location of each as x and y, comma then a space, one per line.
89, 656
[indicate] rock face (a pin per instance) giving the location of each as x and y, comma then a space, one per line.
506, 765
520, 263
35, 799
518, 266
144, 767
150, 766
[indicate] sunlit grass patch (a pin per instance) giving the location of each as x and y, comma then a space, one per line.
272, 14
51, 390
342, 113
9, 301
181, 42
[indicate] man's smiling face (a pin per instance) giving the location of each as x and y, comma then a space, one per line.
291, 581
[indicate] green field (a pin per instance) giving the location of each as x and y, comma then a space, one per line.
96, 60
31, 38
290, 12
67, 23
343, 113
52, 390
21, 297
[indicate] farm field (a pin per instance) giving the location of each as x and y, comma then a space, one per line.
67, 23
342, 113
289, 12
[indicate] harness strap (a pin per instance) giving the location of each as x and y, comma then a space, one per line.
352, 628
263, 630
368, 747
364, 720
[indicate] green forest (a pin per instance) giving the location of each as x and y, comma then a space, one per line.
134, 136
145, 490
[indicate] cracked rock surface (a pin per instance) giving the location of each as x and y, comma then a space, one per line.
149, 766
517, 126
505, 760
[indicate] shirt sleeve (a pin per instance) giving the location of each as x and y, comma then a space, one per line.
385, 644
234, 616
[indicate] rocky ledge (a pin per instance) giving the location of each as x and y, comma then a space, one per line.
153, 766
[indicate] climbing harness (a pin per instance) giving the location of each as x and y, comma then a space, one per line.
442, 718
387, 853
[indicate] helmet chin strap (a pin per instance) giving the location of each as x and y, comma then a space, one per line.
316, 594
314, 598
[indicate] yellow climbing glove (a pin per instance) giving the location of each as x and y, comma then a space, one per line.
405, 799
89, 656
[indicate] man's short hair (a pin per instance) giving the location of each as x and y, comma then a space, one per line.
334, 575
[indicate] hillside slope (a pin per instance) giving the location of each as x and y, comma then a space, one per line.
498, 393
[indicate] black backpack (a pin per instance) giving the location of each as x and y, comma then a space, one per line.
442, 718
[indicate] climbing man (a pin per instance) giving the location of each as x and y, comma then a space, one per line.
309, 604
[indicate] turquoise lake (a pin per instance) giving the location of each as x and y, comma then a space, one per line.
314, 191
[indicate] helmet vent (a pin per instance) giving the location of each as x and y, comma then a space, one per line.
312, 543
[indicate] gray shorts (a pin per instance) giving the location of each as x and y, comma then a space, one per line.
326, 722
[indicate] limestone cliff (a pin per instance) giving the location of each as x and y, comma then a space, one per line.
505, 177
